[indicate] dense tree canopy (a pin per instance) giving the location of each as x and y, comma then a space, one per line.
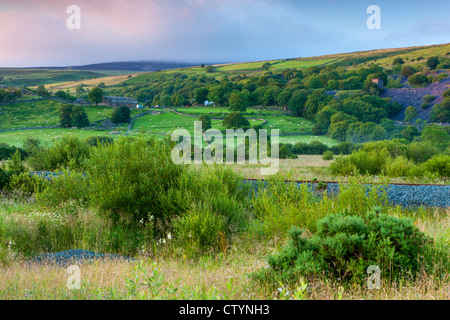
121, 115
95, 95
235, 120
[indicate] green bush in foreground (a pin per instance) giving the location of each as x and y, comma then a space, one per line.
132, 179
345, 246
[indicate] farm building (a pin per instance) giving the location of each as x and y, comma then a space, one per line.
378, 82
107, 124
81, 102
119, 101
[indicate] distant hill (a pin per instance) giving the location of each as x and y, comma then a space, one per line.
126, 66
34, 76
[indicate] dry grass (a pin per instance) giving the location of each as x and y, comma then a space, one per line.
177, 278
304, 167
90, 83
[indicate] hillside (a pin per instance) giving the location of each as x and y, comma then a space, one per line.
134, 66
305, 92
414, 97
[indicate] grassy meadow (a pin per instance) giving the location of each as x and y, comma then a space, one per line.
197, 232
35, 77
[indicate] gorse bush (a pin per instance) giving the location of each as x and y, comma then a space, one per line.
345, 246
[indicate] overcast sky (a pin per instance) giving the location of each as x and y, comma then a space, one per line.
34, 32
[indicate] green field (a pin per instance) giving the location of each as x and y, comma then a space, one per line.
47, 136
45, 113
230, 69
167, 122
35, 77
440, 50
29, 114
245, 66
288, 124
308, 139
222, 111
300, 63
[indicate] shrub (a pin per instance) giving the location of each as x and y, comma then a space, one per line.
407, 71
15, 165
4, 178
66, 187
68, 152
342, 166
394, 83
235, 120
206, 121
428, 98
328, 155
25, 184
285, 151
367, 162
432, 62
315, 147
425, 106
418, 80
7, 151
345, 246
121, 115
398, 61
198, 229
410, 114
342, 148
446, 93
441, 111
220, 190
133, 179
441, 77
421, 151
395, 147
439, 164
94, 141
399, 167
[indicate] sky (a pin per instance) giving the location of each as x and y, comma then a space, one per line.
35, 32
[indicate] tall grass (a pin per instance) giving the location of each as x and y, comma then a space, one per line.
280, 205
